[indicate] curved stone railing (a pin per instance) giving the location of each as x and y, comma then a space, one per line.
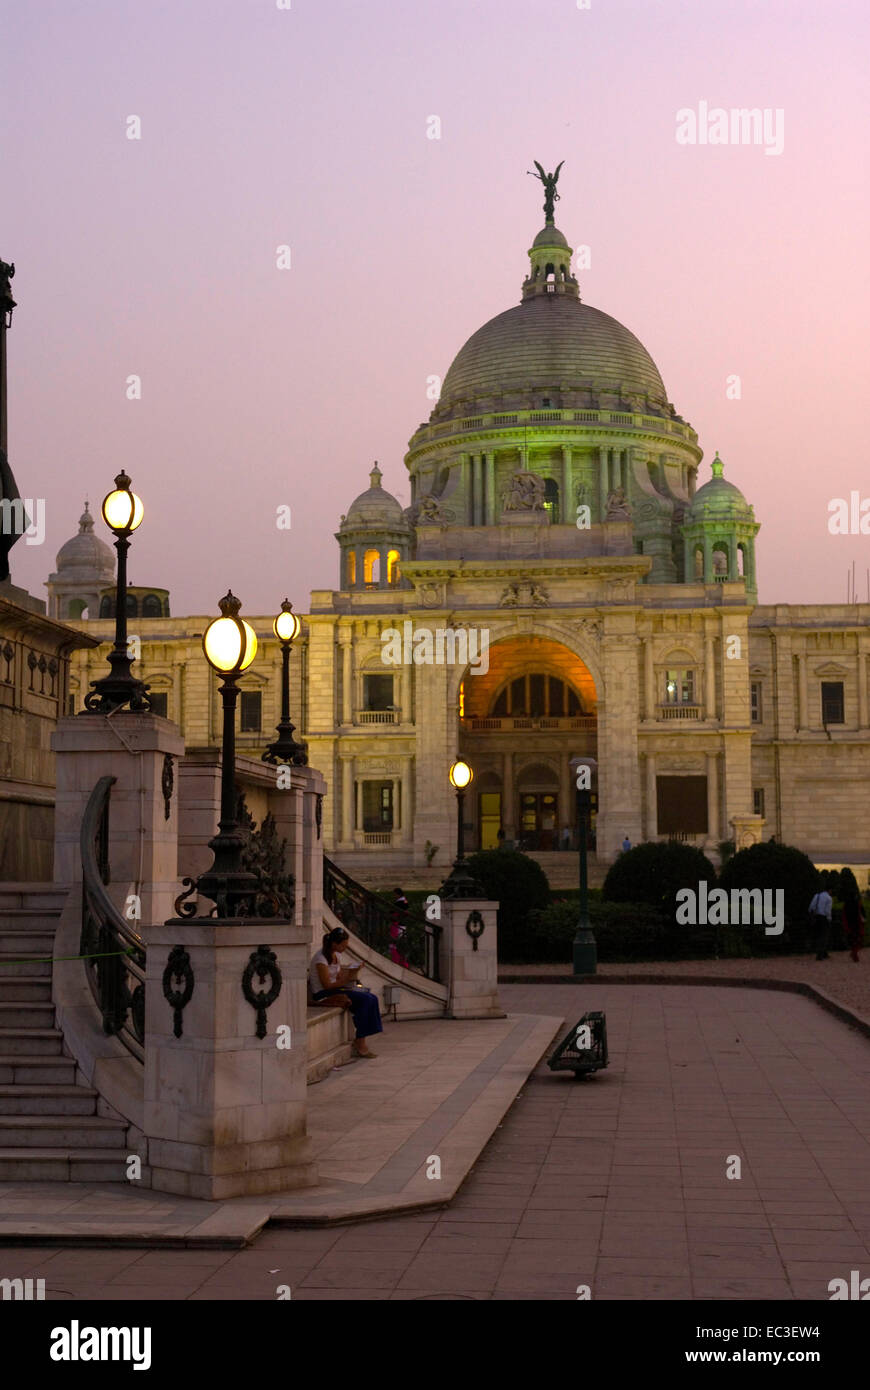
113, 952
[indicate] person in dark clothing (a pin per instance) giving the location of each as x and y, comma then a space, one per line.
338, 983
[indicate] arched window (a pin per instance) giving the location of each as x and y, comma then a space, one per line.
551, 499
132, 606
152, 607
699, 562
351, 568
720, 562
372, 567
536, 696
392, 566
76, 608
107, 607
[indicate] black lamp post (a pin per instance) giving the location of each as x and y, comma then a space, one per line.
585, 949
230, 645
122, 513
460, 883
286, 749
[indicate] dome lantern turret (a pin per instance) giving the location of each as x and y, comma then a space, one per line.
719, 533
373, 537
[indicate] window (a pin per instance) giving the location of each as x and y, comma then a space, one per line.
372, 567
681, 805
159, 702
251, 712
758, 801
551, 499
132, 606
152, 607
392, 567
680, 687
536, 695
755, 706
832, 702
377, 692
377, 806
107, 608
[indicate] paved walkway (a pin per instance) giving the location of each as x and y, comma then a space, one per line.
438, 1087
619, 1183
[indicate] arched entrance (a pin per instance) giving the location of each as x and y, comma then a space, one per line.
520, 723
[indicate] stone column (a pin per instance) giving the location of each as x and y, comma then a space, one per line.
395, 784
508, 810
603, 481
803, 717
862, 686
407, 803
617, 468
524, 456
471, 975
225, 1111
569, 515
345, 641
649, 681
708, 561
143, 840
347, 806
713, 798
652, 828
489, 461
405, 676
709, 675
357, 804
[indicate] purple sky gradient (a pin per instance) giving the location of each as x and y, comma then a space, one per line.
308, 127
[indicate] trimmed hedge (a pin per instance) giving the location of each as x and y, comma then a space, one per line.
654, 872
518, 884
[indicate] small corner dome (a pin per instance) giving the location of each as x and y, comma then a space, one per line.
719, 498
86, 551
375, 509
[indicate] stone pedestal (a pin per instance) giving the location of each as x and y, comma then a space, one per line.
471, 975
747, 830
225, 1110
297, 820
143, 820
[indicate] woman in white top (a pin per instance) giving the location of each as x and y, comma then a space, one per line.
330, 980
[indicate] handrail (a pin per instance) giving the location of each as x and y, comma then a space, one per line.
114, 954
404, 936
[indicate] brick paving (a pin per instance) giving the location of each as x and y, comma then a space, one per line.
618, 1182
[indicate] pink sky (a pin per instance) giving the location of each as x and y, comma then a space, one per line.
307, 127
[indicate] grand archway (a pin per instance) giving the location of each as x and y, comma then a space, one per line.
520, 723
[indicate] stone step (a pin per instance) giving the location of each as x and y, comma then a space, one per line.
27, 941
33, 1070
61, 1165
15, 964
47, 1100
68, 1132
24, 1013
46, 1042
43, 896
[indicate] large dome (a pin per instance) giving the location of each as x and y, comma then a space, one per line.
549, 346
86, 552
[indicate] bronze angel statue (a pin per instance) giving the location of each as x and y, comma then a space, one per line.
549, 181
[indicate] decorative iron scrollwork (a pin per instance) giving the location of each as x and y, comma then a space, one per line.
182, 908
475, 926
178, 967
167, 782
264, 964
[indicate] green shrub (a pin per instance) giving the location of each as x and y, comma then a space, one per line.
623, 932
518, 884
654, 872
773, 866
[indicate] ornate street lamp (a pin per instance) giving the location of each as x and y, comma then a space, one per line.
122, 513
285, 749
460, 883
230, 645
585, 949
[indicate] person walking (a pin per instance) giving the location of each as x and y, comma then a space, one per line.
853, 914
820, 920
626, 845
566, 837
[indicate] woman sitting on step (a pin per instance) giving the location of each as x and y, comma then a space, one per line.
331, 981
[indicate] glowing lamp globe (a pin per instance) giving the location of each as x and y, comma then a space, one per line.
460, 775
229, 643
122, 509
287, 626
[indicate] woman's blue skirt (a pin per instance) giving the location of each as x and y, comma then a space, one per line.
363, 1005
